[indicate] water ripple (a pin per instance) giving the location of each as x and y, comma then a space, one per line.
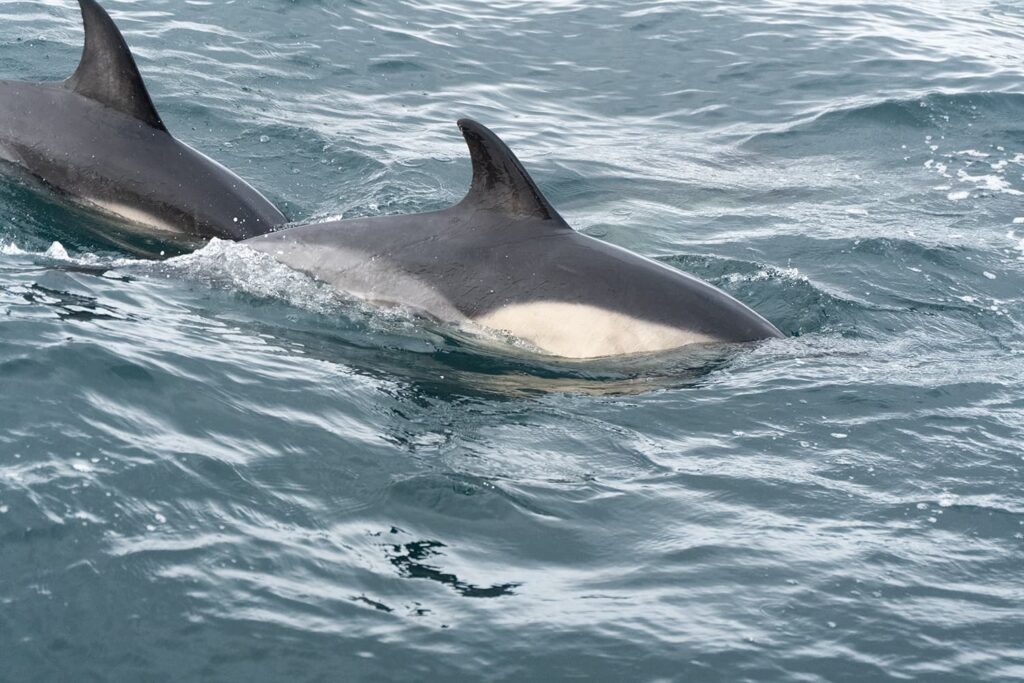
212, 467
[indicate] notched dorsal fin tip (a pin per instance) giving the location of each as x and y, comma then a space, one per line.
108, 73
499, 180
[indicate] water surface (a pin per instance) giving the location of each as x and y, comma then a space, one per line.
211, 468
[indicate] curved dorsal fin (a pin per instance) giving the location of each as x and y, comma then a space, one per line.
107, 72
500, 182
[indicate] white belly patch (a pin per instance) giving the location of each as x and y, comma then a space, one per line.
134, 215
581, 331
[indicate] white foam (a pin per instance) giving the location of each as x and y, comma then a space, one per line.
769, 273
958, 195
256, 273
234, 266
58, 252
991, 183
973, 153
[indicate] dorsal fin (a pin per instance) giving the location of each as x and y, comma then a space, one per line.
107, 72
500, 182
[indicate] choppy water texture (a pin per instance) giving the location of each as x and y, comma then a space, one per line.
212, 469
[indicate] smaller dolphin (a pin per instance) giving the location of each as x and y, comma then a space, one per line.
504, 259
97, 138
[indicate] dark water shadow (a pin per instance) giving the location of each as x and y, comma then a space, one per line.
410, 559
449, 363
69, 306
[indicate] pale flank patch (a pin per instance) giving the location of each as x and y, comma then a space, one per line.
581, 331
134, 215
359, 275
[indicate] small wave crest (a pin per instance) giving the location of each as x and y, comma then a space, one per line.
784, 295
255, 273
891, 121
11, 249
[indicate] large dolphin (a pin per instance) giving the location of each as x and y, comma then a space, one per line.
504, 259
97, 138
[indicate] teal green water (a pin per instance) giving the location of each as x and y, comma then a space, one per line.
213, 469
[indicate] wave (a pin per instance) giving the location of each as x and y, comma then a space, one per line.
889, 120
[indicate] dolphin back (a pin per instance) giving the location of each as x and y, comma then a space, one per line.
505, 259
98, 139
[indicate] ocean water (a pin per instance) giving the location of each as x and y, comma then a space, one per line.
212, 468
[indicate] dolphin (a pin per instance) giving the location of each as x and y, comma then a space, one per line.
98, 139
504, 260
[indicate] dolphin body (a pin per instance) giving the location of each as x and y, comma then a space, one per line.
504, 259
98, 139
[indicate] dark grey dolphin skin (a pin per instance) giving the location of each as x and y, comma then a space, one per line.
504, 259
98, 139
